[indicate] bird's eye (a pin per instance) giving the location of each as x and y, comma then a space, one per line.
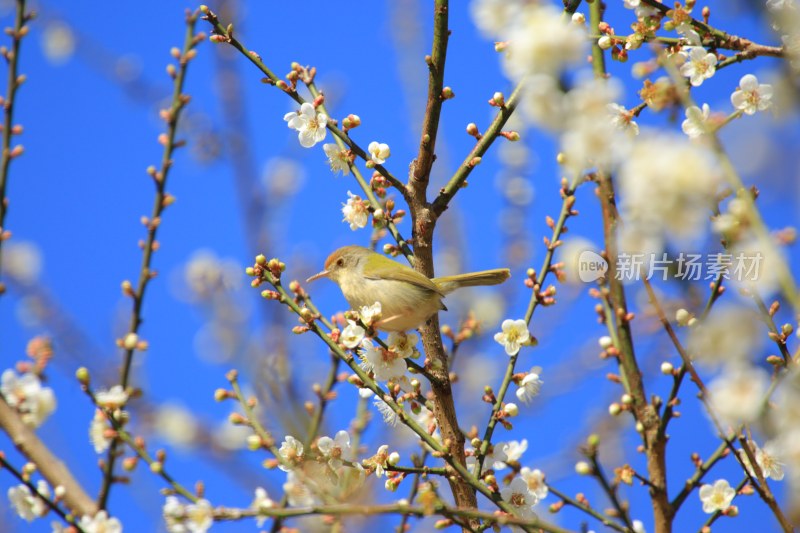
340, 262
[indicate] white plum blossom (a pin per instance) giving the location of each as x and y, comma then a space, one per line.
291, 451
766, 458
29, 506
352, 334
297, 493
622, 118
403, 344
380, 460
336, 448
310, 125
379, 152
28, 397
261, 503
355, 211
542, 42
113, 398
497, 458
384, 364
530, 386
716, 497
513, 450
100, 523
338, 159
370, 313
199, 516
752, 96
696, 123
535, 481
97, 432
520, 498
689, 33
700, 65
513, 335
736, 395
173, 512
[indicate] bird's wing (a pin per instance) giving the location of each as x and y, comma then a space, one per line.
384, 268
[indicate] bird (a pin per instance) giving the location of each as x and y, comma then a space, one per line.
407, 298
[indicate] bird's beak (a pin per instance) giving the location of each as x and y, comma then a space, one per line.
323, 274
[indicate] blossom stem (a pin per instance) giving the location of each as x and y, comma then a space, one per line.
373, 200
588, 510
459, 178
14, 81
179, 102
568, 201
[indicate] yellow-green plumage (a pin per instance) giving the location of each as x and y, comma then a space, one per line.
407, 297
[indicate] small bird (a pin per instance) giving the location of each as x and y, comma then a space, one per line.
407, 297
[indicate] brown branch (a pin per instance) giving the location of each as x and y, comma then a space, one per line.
421, 168
52, 469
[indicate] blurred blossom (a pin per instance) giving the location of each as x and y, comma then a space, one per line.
736, 396
282, 177
542, 42
511, 221
518, 191
177, 425
22, 261
569, 254
206, 274
58, 42
493, 17
515, 155
590, 139
297, 493
667, 189
542, 102
730, 334
768, 264
488, 307
231, 437
128, 69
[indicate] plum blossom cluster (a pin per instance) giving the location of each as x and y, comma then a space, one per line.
328, 473
748, 98
26, 394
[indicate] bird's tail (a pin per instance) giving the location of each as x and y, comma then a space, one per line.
448, 284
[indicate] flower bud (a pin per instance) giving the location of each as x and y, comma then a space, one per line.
667, 368
583, 468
